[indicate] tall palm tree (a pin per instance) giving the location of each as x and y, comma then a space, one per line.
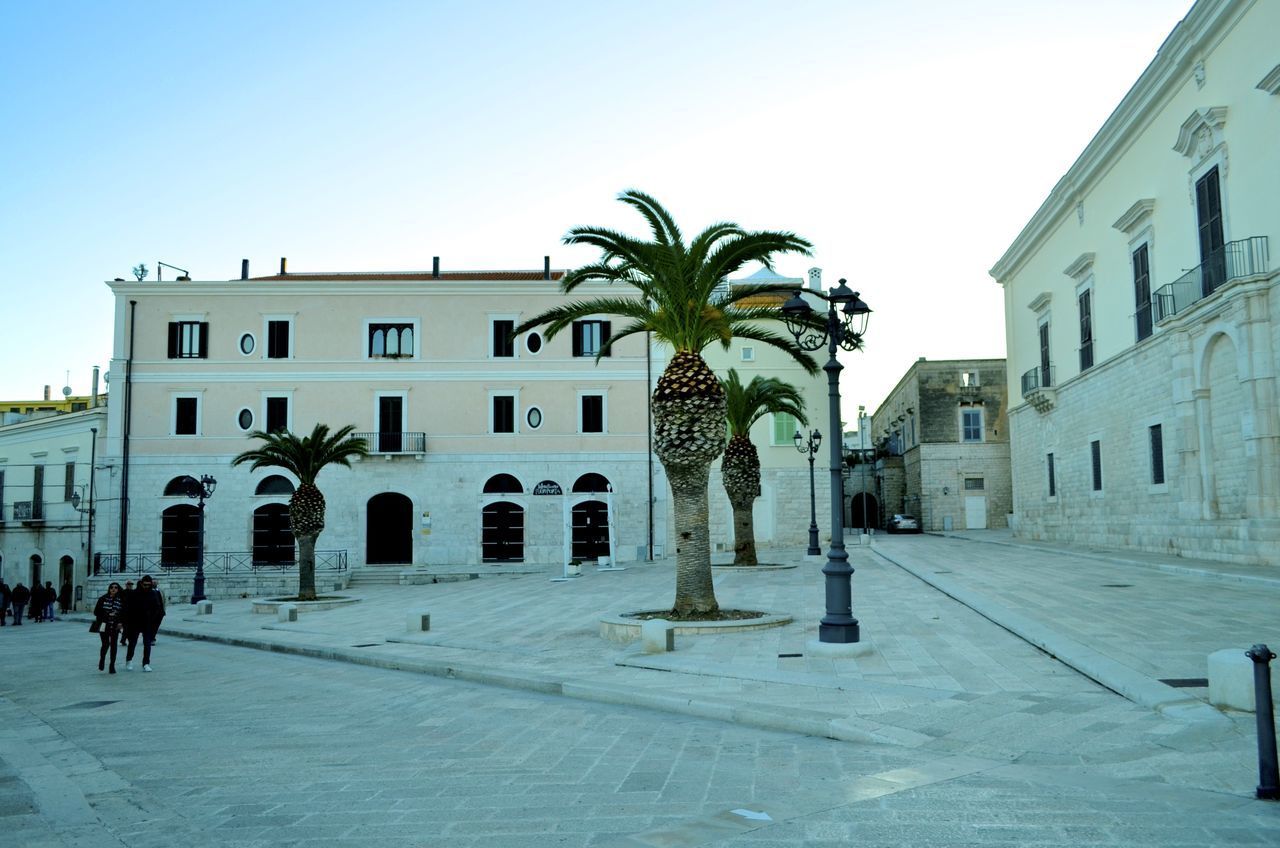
305, 458
740, 468
682, 302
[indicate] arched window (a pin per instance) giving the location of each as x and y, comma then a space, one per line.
272, 534
274, 485
179, 486
393, 342
591, 483
179, 535
503, 484
378, 345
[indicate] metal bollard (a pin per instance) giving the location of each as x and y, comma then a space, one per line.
1268, 772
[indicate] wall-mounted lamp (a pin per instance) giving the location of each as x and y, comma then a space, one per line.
946, 490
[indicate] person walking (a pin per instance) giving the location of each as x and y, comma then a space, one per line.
145, 611
18, 601
107, 615
64, 598
5, 592
50, 596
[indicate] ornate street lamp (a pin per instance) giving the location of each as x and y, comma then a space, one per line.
810, 446
842, 327
201, 490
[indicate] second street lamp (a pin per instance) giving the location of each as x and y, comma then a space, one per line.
838, 329
201, 490
810, 446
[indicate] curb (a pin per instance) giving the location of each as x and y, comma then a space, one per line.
1116, 676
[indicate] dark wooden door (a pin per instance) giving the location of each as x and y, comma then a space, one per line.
590, 530
502, 532
1209, 217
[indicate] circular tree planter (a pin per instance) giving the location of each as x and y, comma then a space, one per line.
625, 627
271, 605
764, 566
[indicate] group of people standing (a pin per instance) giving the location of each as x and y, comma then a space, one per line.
37, 603
122, 615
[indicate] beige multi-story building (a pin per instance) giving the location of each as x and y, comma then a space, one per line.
1142, 311
942, 439
484, 447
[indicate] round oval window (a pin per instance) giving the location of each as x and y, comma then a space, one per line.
534, 417
246, 344
245, 419
533, 342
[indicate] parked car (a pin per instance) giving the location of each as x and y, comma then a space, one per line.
903, 524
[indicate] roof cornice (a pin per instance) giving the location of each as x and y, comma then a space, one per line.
1271, 82
1171, 67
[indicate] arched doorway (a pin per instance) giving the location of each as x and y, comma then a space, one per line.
590, 530
273, 542
502, 532
65, 567
179, 535
389, 530
864, 511
592, 483
36, 580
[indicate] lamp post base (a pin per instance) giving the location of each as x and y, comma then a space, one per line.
838, 634
815, 548
197, 589
837, 650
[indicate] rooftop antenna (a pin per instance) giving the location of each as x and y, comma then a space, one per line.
66, 389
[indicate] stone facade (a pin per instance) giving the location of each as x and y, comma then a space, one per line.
1162, 424
943, 439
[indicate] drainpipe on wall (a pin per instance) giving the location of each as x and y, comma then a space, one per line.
128, 420
648, 383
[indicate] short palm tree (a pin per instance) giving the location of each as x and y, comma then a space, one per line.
305, 458
740, 468
683, 302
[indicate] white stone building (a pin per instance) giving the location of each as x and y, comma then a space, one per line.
1143, 315
48, 504
482, 446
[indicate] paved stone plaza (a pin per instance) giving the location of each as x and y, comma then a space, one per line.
347, 731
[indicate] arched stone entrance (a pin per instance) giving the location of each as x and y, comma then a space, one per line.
389, 530
864, 512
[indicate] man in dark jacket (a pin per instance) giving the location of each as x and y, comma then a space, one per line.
5, 591
18, 599
144, 611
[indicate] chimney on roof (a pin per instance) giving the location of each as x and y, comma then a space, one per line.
435, 267
46, 392
815, 279
93, 400
244, 269
284, 266
546, 267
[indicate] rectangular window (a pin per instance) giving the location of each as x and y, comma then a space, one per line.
277, 414
37, 492
971, 423
748, 354
1213, 266
1095, 449
785, 428
593, 413
1142, 290
390, 438
589, 337
1156, 435
1053, 483
1, 497
186, 416
969, 379
278, 339
188, 339
69, 481
1085, 302
391, 340
975, 484
1046, 369
504, 413
504, 345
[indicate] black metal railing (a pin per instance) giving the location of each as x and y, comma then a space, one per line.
229, 562
395, 442
1040, 377
1233, 261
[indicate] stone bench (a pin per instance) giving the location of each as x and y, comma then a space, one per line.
287, 612
418, 621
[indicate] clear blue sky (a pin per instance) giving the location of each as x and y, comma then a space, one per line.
910, 141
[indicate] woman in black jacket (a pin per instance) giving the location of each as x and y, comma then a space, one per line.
108, 614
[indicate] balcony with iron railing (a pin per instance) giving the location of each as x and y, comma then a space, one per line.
395, 443
1038, 388
1235, 260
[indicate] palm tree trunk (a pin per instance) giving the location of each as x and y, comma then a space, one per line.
744, 535
694, 591
306, 568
